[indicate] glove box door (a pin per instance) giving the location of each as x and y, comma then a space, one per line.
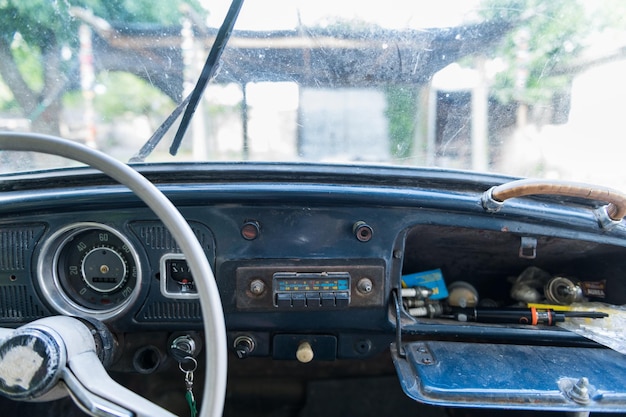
574, 379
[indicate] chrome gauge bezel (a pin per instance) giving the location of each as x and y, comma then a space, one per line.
166, 291
54, 290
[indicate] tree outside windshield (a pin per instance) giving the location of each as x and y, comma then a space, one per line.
523, 87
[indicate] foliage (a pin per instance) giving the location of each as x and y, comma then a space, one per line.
39, 22
541, 54
125, 93
165, 12
400, 112
7, 103
28, 57
42, 22
551, 35
34, 34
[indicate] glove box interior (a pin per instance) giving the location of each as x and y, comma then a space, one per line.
453, 360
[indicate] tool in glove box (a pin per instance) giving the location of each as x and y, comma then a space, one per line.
530, 316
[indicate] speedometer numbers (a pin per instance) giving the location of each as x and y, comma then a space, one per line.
97, 269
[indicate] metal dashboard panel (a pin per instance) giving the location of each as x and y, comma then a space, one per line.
18, 301
512, 376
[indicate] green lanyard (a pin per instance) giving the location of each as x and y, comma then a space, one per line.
193, 409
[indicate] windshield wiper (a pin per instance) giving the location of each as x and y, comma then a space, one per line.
158, 134
190, 103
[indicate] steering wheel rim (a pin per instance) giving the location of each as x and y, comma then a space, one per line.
210, 302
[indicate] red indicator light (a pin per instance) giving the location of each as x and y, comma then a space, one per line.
250, 230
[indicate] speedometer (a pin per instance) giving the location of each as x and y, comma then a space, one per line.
95, 270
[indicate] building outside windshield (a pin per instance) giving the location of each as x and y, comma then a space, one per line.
525, 88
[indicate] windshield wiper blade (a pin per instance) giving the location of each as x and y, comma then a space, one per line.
208, 71
158, 134
190, 103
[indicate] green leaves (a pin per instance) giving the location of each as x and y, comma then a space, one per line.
39, 45
401, 112
39, 22
548, 48
537, 52
126, 93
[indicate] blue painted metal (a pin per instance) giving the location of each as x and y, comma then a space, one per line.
511, 376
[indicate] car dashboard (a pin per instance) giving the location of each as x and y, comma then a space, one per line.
309, 261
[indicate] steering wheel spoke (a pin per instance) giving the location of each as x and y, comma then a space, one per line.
4, 333
97, 393
76, 366
41, 358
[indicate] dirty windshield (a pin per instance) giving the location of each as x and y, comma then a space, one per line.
520, 87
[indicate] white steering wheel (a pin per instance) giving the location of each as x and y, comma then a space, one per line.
74, 365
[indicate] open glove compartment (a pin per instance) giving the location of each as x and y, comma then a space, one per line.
447, 357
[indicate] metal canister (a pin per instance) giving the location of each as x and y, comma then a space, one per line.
563, 291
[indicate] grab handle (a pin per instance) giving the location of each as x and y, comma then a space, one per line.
494, 198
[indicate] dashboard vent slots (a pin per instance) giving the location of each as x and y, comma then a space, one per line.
158, 242
17, 305
171, 311
15, 245
155, 236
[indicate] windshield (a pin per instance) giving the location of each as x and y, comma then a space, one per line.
519, 87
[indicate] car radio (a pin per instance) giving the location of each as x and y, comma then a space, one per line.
307, 287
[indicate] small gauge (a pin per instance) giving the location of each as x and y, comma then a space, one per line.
96, 269
176, 278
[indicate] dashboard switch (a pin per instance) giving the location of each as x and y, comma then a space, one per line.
304, 353
313, 299
298, 299
342, 299
244, 346
283, 300
304, 347
362, 231
328, 299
